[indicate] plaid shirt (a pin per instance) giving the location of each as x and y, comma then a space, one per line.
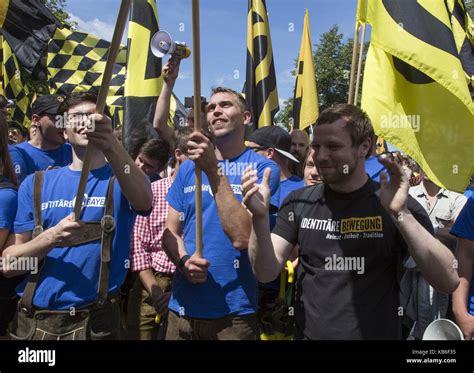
148, 232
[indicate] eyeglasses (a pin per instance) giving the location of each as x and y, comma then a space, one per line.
15, 132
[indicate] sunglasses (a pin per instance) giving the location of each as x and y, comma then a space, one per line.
257, 148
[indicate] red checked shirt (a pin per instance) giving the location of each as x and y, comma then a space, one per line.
147, 251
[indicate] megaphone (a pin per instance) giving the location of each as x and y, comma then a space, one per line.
162, 44
442, 330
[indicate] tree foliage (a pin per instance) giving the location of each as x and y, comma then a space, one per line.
57, 7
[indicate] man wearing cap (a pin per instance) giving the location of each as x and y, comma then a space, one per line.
274, 143
47, 147
17, 133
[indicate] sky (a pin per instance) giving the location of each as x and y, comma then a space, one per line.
224, 34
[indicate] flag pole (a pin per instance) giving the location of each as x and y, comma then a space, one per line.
197, 120
353, 63
101, 99
359, 65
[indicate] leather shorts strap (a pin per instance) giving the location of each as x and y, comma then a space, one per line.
92, 232
37, 192
26, 300
108, 229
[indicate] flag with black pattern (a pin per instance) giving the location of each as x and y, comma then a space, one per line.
305, 102
14, 86
144, 80
27, 26
417, 86
76, 62
260, 87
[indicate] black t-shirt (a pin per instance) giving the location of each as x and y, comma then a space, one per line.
350, 254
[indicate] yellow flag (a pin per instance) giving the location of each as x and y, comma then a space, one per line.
143, 82
260, 86
416, 85
305, 103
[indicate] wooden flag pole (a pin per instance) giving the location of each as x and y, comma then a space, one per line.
197, 120
101, 99
353, 63
359, 65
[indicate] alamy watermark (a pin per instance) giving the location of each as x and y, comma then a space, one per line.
13, 263
345, 263
228, 168
401, 121
75, 120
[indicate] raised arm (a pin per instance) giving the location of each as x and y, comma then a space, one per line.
267, 252
435, 260
162, 111
234, 218
133, 182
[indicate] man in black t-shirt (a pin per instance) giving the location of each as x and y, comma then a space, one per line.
353, 235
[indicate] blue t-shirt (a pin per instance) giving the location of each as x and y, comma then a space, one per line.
37, 159
23, 165
373, 168
286, 186
289, 185
8, 204
231, 287
70, 275
469, 193
464, 228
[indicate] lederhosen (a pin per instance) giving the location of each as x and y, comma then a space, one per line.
99, 320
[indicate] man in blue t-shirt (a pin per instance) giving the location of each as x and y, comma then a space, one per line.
214, 297
463, 297
73, 276
47, 147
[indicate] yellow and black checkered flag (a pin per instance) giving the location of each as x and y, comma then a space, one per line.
260, 86
76, 62
14, 87
418, 72
305, 102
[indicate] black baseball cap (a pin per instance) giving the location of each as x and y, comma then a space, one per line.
47, 104
273, 137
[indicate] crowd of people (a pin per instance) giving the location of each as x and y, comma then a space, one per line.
378, 247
